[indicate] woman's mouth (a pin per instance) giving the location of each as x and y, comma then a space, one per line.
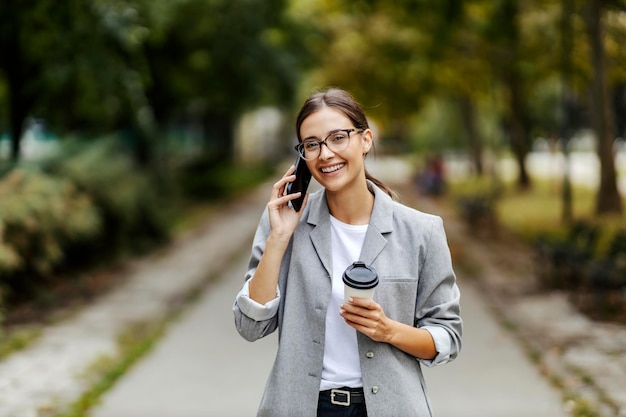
332, 168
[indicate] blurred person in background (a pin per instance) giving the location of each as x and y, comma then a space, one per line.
431, 181
361, 357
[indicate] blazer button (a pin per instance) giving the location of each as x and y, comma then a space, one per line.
375, 389
370, 354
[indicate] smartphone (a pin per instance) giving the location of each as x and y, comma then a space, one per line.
300, 184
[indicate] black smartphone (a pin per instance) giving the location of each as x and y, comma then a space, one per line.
300, 184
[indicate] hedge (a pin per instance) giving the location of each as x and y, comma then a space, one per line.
40, 216
87, 206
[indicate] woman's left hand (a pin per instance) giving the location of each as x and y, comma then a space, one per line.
368, 317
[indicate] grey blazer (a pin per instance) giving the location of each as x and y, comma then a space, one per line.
417, 286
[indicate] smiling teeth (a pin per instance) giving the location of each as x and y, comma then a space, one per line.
332, 169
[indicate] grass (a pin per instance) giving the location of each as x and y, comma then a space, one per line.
133, 343
15, 340
538, 210
530, 214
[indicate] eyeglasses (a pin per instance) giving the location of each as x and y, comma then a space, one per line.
336, 141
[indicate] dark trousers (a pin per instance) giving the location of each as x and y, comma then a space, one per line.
326, 409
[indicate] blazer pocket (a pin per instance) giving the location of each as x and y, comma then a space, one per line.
397, 296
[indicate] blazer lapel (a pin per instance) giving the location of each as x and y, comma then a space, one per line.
381, 223
319, 216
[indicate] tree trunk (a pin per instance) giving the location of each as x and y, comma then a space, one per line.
566, 105
220, 136
18, 105
468, 116
608, 199
517, 117
518, 132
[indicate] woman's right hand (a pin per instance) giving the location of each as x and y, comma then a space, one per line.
283, 218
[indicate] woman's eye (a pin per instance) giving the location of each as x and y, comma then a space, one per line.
310, 145
338, 137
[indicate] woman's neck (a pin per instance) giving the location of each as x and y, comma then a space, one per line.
351, 206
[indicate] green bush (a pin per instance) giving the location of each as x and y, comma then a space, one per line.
85, 207
206, 179
39, 217
133, 205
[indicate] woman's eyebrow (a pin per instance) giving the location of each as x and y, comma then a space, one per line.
327, 134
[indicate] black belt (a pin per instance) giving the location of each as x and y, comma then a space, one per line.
344, 396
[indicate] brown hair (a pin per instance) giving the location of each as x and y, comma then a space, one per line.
343, 102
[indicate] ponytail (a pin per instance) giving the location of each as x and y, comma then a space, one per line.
387, 189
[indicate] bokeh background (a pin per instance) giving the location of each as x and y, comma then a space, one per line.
123, 121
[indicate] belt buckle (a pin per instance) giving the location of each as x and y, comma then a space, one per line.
334, 392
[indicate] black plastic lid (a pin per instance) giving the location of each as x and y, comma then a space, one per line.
361, 276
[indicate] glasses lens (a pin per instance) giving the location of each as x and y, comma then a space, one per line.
310, 149
338, 141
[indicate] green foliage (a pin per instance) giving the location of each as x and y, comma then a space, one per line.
132, 205
17, 340
140, 65
39, 217
87, 207
206, 179
437, 128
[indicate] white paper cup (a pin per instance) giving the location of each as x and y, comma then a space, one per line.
359, 280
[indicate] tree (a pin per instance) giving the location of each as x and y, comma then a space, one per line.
58, 65
138, 65
608, 199
505, 31
19, 44
213, 60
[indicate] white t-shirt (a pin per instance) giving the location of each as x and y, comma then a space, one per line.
342, 366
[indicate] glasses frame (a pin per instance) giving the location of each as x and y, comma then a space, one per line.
300, 146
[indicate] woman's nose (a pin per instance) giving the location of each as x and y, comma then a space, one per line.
325, 152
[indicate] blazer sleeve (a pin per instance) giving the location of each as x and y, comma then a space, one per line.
253, 320
438, 299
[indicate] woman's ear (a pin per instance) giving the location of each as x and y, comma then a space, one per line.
367, 139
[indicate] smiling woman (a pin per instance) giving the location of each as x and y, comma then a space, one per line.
354, 357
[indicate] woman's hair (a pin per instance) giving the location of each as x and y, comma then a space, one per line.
343, 102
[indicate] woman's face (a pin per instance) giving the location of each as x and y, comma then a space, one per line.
336, 170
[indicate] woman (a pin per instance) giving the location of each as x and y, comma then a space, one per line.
362, 357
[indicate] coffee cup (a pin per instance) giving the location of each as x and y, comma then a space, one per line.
360, 280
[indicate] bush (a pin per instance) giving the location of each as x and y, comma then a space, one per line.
39, 217
83, 208
206, 179
562, 261
132, 205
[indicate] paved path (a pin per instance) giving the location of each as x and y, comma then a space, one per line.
202, 368
56, 370
492, 377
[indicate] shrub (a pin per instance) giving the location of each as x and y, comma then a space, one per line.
207, 179
39, 217
132, 204
82, 208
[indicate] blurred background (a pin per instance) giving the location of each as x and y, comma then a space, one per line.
121, 121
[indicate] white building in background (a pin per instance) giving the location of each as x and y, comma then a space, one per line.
261, 135
37, 142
